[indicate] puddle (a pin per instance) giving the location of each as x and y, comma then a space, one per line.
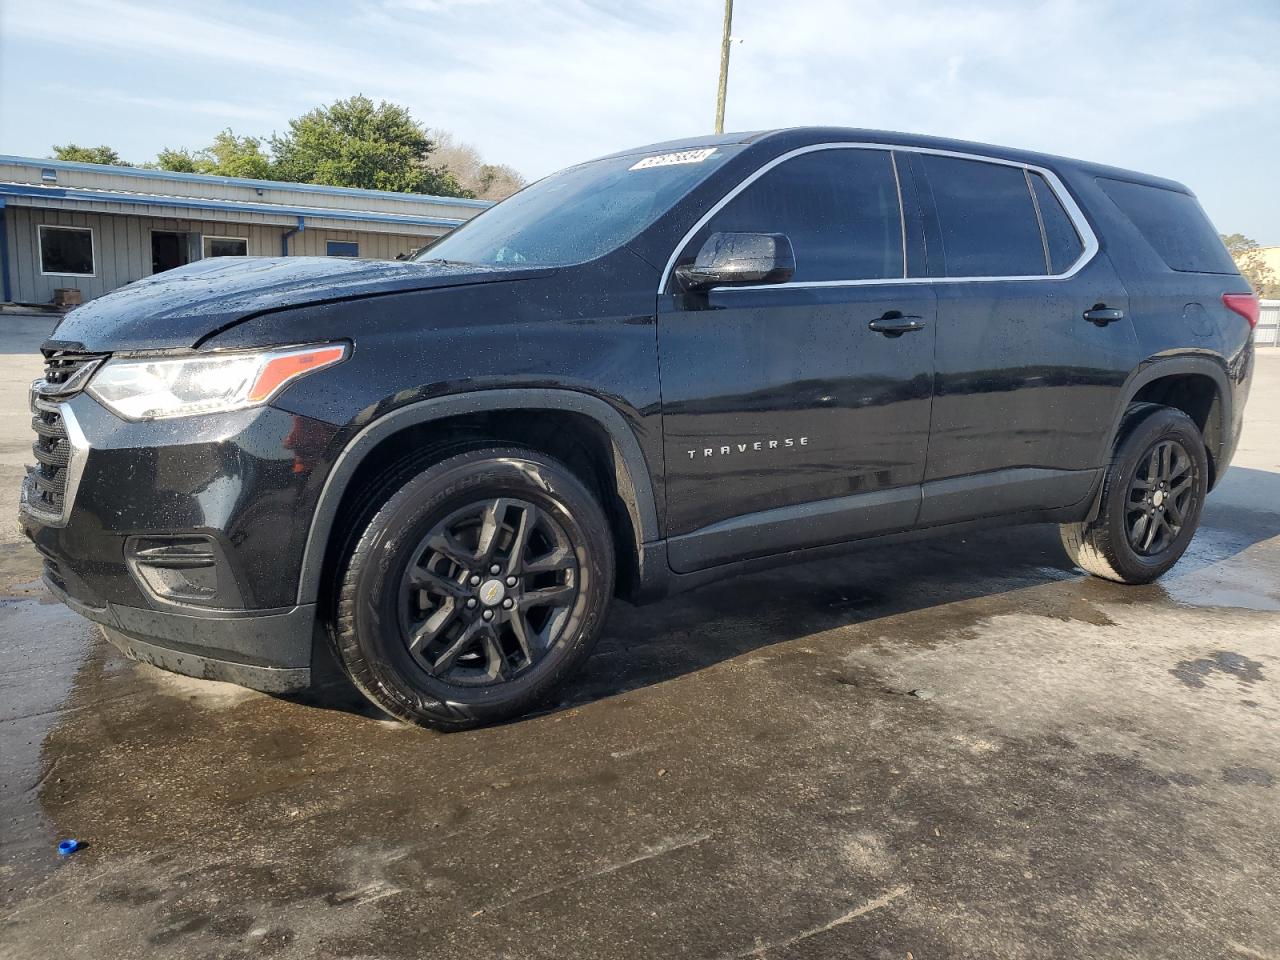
1242, 582
1194, 673
45, 646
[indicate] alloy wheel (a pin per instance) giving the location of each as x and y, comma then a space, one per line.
1160, 497
488, 592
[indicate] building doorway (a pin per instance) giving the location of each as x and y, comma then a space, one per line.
169, 250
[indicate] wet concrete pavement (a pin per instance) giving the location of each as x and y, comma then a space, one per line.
957, 748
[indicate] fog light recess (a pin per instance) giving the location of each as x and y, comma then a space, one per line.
182, 569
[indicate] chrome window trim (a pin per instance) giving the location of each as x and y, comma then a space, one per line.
1044, 234
1088, 239
902, 213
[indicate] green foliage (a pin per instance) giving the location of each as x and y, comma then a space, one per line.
232, 156
1253, 264
350, 143
179, 161
1238, 244
497, 181
99, 154
353, 143
228, 156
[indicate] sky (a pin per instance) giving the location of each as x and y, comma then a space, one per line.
1187, 89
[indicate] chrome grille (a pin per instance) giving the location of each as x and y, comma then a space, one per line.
66, 373
52, 450
51, 482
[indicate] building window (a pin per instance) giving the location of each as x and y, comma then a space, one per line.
226, 247
341, 248
66, 251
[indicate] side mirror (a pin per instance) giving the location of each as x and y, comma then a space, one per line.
729, 259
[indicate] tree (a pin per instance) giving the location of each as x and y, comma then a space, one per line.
484, 180
232, 156
350, 143
228, 156
1253, 264
178, 161
353, 143
99, 154
497, 181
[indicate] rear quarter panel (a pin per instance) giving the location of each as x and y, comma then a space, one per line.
1175, 314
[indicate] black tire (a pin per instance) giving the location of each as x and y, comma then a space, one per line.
424, 642
1152, 496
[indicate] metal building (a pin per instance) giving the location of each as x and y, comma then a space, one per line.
1267, 333
92, 228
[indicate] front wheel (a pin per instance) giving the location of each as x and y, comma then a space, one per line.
475, 589
1152, 495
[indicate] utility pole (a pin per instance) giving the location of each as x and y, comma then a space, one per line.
724, 66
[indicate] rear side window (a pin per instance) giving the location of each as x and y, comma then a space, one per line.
987, 218
839, 208
1061, 241
1173, 223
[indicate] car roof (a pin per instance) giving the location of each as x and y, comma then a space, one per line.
790, 138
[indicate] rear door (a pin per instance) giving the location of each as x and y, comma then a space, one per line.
1034, 341
788, 421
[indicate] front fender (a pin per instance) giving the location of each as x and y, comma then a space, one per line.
629, 459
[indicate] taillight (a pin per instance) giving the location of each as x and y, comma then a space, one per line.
1245, 304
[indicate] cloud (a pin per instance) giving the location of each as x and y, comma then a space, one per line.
536, 82
543, 83
232, 34
223, 110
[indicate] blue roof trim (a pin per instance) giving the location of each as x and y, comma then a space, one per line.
193, 203
239, 181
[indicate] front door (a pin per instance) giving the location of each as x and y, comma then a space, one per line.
169, 250
788, 421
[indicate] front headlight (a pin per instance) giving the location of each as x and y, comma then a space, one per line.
155, 388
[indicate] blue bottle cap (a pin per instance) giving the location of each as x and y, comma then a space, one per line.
68, 847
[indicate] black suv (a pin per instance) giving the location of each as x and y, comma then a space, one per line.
642, 373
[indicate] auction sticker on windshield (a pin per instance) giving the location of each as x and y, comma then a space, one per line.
672, 159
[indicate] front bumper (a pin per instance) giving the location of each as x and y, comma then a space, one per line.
268, 650
184, 540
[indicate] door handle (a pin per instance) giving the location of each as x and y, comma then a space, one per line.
1100, 314
895, 324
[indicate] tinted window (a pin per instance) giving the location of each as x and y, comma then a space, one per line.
838, 207
66, 250
580, 213
988, 222
1060, 237
341, 248
1174, 225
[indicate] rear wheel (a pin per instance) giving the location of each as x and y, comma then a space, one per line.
1152, 496
475, 589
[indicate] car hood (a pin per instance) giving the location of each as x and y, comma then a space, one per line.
181, 307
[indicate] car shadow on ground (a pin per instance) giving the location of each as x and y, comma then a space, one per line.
648, 645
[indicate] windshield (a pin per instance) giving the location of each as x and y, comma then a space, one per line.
580, 213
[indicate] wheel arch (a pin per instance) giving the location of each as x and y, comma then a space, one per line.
632, 478
1198, 385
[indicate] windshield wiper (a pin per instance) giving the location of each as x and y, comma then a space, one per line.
449, 263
